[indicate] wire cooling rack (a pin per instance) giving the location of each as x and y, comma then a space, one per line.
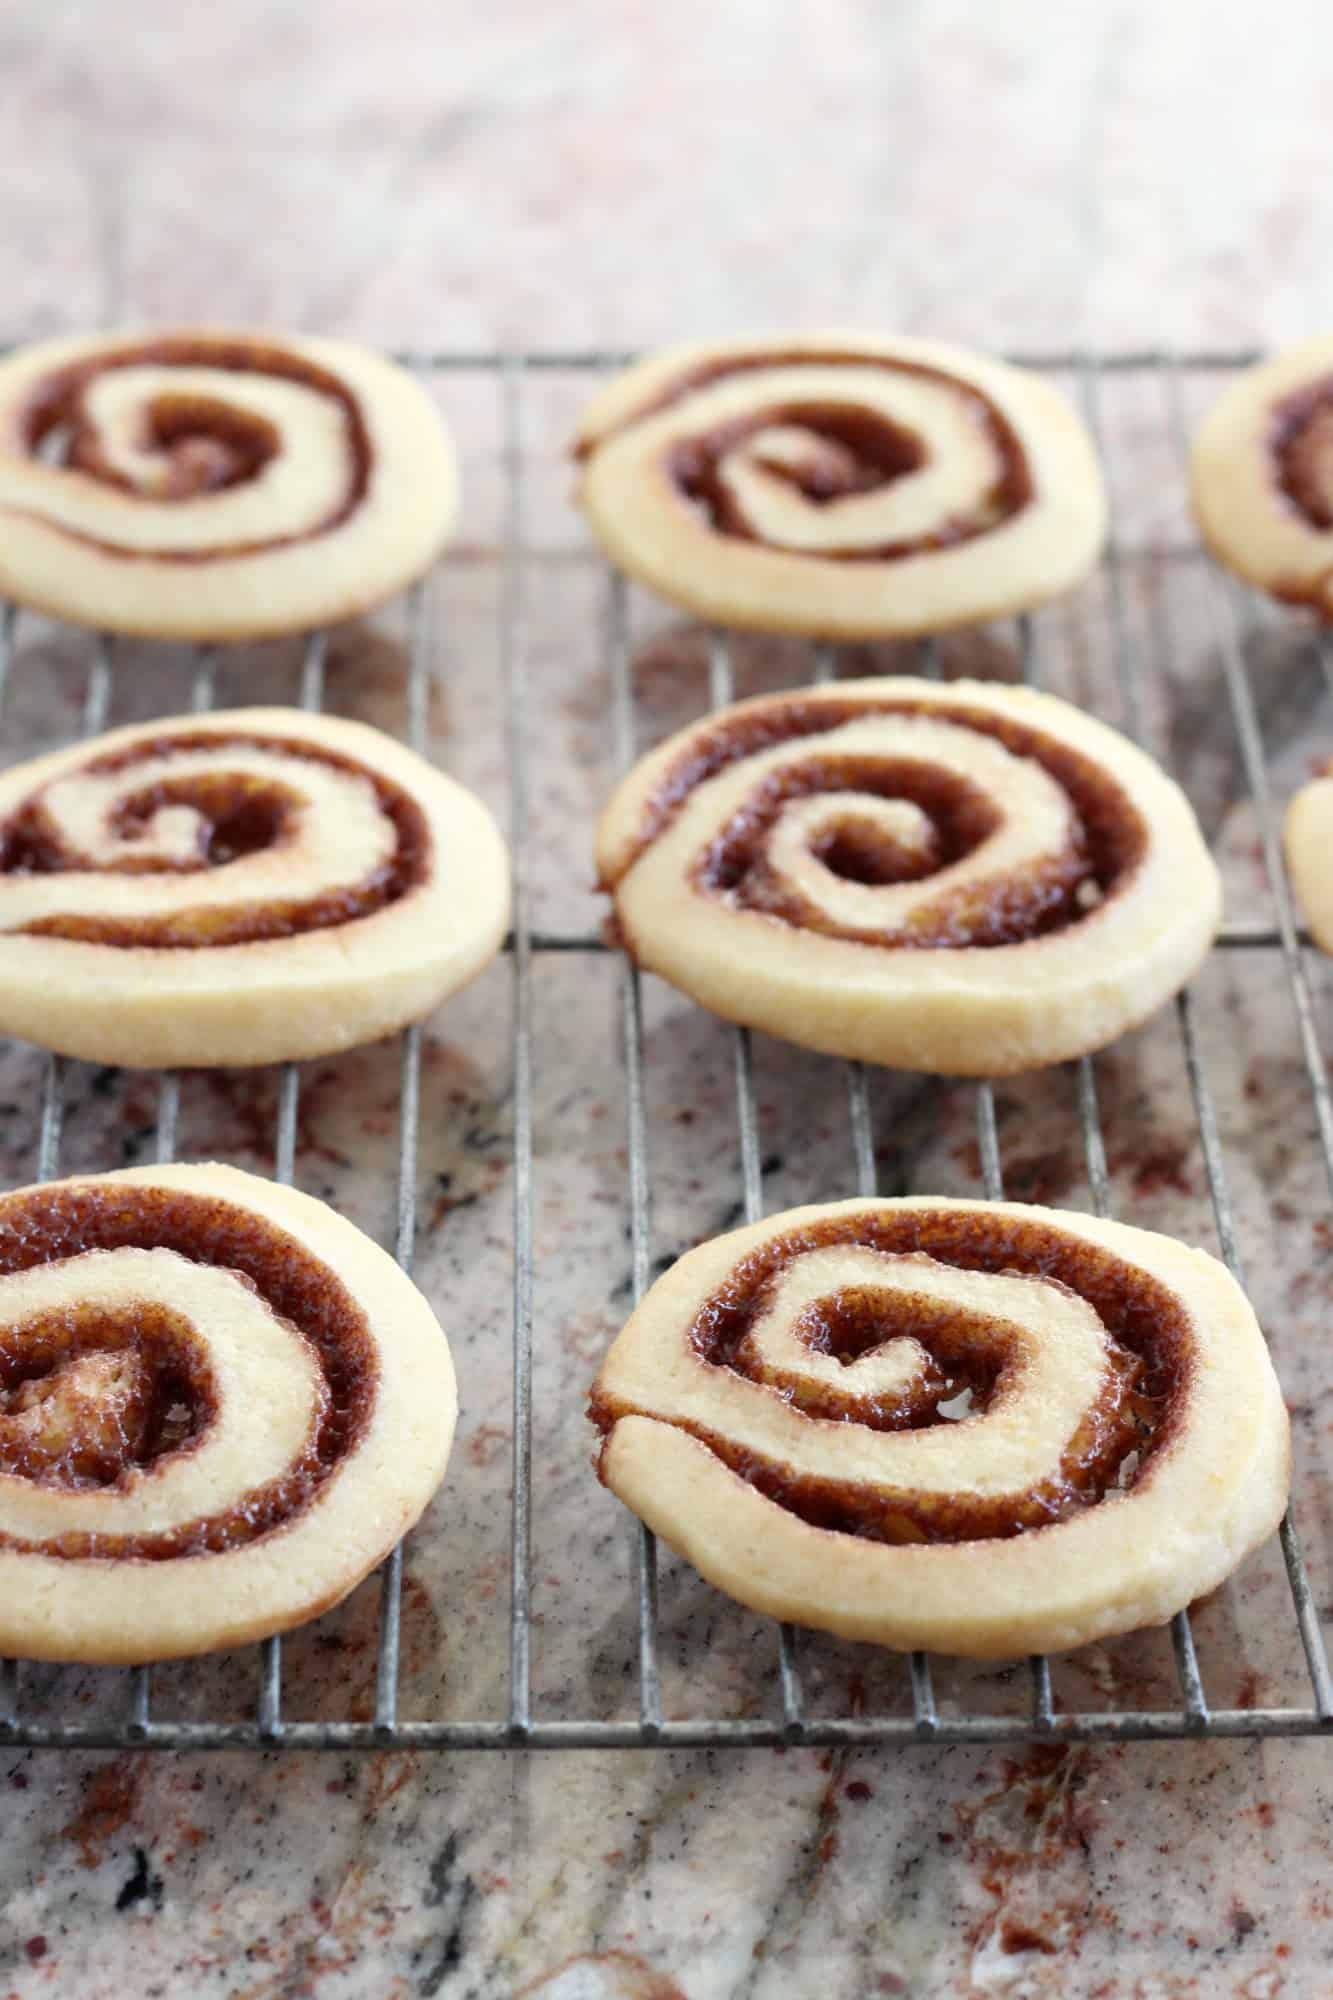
789, 1719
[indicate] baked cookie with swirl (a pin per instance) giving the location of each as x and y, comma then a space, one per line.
841, 484
220, 1406
213, 485
962, 878
777, 1411
253, 886
1261, 476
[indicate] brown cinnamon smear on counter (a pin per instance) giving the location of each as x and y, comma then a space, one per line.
1141, 1404
208, 444
850, 451
160, 1398
1114, 836
242, 813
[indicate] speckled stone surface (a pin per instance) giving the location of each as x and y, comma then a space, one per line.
426, 181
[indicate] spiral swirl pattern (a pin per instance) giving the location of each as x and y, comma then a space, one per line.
781, 1409
1261, 476
842, 486
238, 888
214, 485
965, 878
209, 1384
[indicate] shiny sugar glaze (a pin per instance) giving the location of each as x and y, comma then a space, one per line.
88, 1394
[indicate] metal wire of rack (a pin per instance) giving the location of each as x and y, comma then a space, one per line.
791, 1723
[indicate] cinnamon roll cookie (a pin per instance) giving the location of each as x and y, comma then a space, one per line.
841, 485
1261, 476
1308, 838
776, 1411
220, 1406
964, 878
253, 886
214, 485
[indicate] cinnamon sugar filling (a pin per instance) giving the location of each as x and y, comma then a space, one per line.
86, 1396
1140, 1404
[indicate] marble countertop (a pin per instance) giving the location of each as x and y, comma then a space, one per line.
989, 174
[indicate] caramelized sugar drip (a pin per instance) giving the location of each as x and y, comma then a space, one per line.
240, 814
202, 444
844, 450
1138, 1407
1111, 838
87, 1396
